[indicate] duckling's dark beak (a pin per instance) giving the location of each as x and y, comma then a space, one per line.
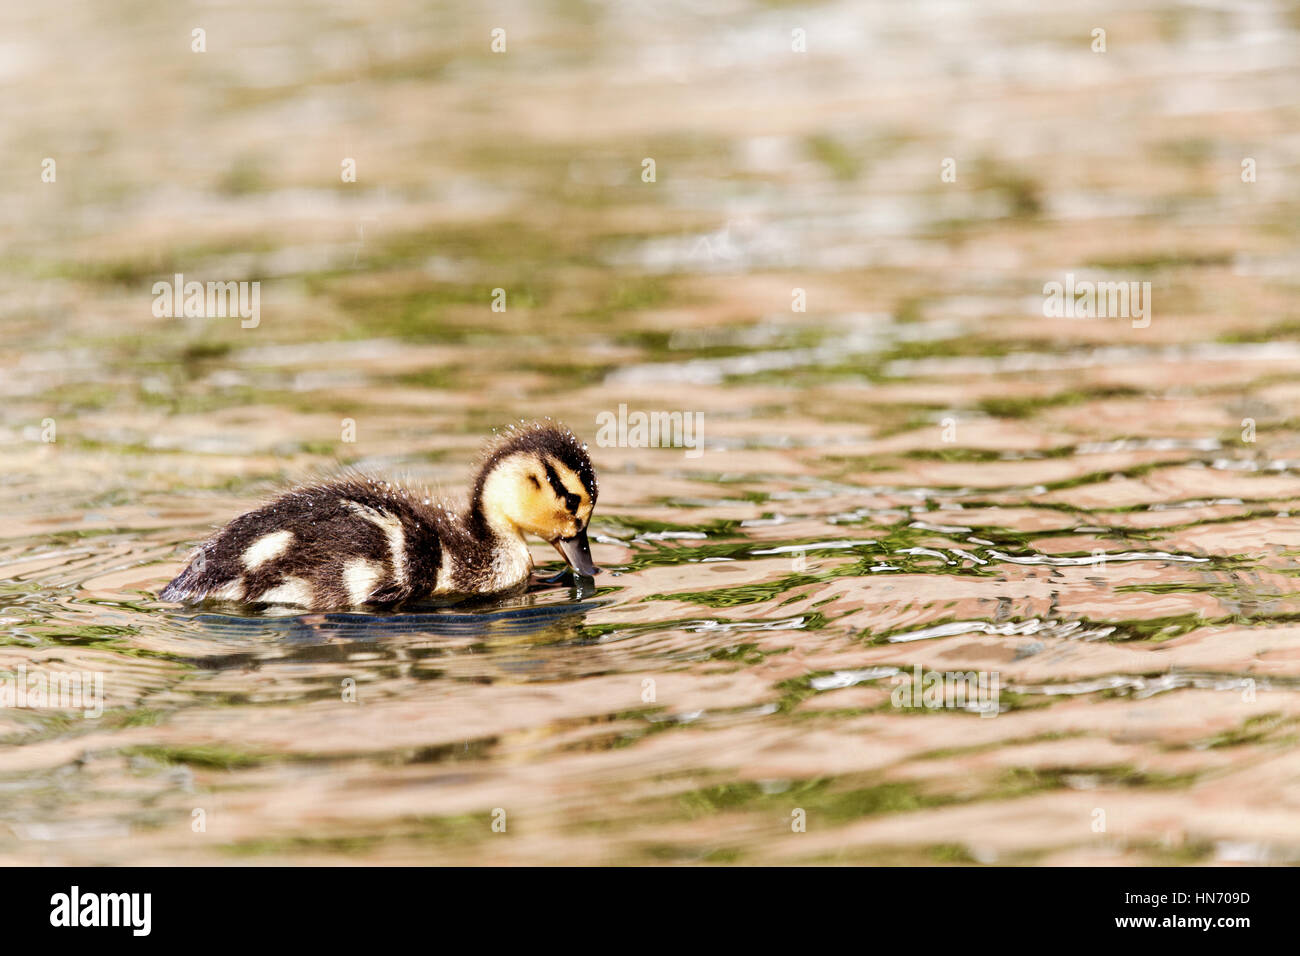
577, 552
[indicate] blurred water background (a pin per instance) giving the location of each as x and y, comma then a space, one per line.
918, 470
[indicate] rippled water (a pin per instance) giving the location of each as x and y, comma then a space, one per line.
919, 473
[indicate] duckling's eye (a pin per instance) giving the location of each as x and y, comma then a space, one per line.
571, 501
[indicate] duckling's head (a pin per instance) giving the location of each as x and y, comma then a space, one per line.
537, 479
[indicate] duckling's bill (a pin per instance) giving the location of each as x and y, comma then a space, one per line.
577, 552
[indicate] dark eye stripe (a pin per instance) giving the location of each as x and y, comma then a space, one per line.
571, 500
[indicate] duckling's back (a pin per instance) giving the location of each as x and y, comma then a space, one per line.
348, 542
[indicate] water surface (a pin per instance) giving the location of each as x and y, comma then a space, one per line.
919, 470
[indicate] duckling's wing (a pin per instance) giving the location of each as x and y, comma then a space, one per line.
334, 545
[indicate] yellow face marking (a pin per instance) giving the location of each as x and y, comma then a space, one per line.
548, 508
519, 490
573, 485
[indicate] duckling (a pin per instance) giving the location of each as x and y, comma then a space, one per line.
355, 540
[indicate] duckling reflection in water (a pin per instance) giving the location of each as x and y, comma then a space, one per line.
355, 540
